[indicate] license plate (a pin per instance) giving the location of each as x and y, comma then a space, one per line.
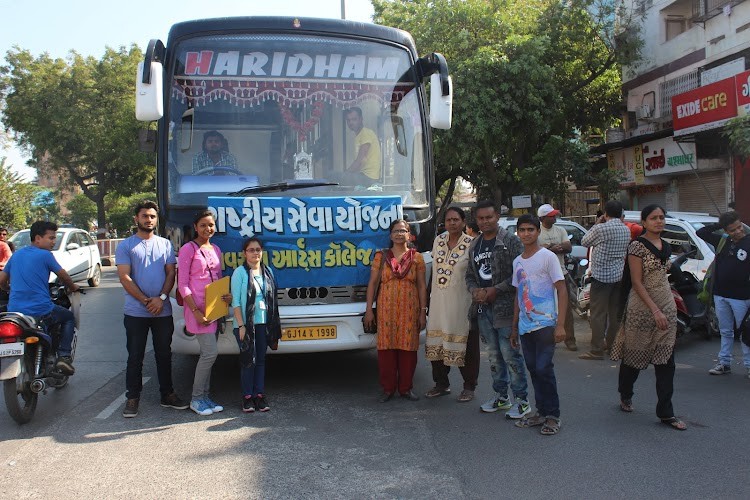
14, 349
308, 333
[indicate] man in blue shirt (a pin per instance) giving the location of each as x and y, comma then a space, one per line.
146, 267
28, 272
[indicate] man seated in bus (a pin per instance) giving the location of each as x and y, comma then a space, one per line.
365, 169
215, 153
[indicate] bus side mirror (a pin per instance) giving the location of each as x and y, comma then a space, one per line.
149, 97
441, 102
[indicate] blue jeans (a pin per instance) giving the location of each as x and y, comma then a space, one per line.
136, 332
730, 313
503, 358
67, 323
253, 378
539, 348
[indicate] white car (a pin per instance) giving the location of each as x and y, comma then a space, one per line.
74, 250
575, 230
679, 229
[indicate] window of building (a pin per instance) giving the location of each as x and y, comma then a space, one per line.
675, 26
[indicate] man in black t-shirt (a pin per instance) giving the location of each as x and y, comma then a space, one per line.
731, 285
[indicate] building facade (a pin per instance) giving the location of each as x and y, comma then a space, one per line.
692, 79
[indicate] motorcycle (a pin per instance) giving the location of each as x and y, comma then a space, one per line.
28, 352
691, 312
578, 281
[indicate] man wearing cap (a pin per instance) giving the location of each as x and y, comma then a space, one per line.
609, 239
555, 239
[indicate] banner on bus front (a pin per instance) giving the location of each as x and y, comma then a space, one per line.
307, 241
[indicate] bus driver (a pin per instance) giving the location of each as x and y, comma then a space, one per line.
215, 153
365, 169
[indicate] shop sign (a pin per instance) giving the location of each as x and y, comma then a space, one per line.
665, 156
638, 167
742, 82
704, 108
623, 161
522, 201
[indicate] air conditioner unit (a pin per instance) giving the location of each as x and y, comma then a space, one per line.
644, 112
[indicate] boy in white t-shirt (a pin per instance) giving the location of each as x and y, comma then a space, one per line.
539, 320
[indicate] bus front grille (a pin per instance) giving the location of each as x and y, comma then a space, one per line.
300, 296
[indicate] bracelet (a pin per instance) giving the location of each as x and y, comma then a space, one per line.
241, 326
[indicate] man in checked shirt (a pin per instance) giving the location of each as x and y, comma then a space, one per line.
609, 238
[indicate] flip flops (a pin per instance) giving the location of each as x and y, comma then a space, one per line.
674, 423
437, 392
465, 396
551, 426
626, 405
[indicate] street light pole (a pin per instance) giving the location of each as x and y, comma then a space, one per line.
343, 9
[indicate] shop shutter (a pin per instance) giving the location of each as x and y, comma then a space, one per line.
693, 198
645, 200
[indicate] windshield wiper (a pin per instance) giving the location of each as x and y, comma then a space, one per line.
282, 186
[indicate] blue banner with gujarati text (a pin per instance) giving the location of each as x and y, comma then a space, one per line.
307, 241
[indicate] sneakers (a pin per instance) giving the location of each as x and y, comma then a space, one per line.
201, 407
216, 407
248, 405
720, 369
65, 365
131, 408
172, 401
260, 403
520, 409
497, 402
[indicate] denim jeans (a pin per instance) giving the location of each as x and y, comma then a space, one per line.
730, 313
503, 358
253, 378
136, 331
67, 323
539, 348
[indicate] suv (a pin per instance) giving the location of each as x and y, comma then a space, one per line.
74, 250
680, 229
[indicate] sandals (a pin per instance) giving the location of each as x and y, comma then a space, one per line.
674, 423
465, 396
626, 405
592, 355
551, 426
437, 392
531, 421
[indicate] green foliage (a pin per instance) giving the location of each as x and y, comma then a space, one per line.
609, 180
17, 196
76, 116
529, 77
570, 160
120, 210
737, 130
82, 211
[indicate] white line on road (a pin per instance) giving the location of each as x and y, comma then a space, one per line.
109, 410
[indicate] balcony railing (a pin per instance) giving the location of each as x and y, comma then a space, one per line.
703, 10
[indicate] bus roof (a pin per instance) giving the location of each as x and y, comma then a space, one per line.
276, 24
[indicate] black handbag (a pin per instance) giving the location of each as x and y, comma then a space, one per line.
373, 327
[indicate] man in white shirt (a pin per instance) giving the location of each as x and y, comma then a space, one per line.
555, 239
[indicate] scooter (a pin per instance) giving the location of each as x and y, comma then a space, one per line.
27, 358
691, 312
578, 281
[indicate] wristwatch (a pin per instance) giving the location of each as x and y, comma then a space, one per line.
163, 296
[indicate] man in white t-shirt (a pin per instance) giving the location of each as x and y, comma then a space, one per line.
540, 288
555, 239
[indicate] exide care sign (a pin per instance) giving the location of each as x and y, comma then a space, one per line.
704, 108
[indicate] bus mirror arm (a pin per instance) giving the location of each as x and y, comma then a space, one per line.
435, 63
154, 52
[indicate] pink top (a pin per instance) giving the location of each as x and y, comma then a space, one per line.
192, 278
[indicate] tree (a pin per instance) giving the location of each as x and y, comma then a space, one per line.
121, 210
737, 130
16, 196
529, 76
77, 116
82, 211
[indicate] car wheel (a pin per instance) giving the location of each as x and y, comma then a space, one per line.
97, 277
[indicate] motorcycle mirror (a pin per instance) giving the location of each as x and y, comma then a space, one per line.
584, 262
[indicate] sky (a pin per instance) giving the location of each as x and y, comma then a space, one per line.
88, 26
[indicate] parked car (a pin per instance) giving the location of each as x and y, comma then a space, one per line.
74, 250
575, 230
680, 229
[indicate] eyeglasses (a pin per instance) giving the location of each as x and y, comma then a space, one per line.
400, 231
254, 250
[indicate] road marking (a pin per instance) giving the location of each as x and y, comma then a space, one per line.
109, 410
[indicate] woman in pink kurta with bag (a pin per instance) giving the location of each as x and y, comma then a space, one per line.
199, 264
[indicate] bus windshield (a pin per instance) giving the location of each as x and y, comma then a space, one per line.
312, 114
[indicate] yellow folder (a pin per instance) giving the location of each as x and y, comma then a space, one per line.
215, 306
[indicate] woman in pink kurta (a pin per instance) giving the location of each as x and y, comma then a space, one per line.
199, 264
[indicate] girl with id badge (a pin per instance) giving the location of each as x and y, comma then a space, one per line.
256, 323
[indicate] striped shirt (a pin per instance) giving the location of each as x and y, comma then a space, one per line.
610, 246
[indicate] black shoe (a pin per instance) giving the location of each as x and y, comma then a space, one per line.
410, 396
385, 397
65, 365
131, 408
248, 405
260, 403
172, 401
